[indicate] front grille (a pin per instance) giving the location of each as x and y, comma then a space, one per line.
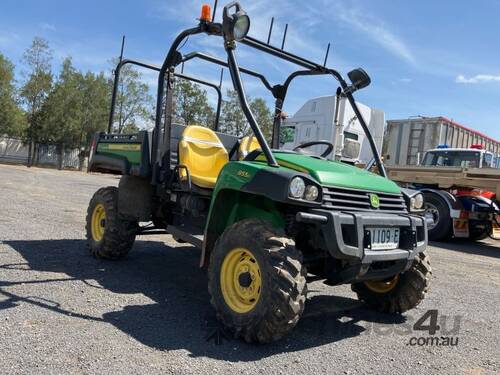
342, 199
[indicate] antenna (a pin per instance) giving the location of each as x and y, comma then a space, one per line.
215, 10
326, 56
221, 77
123, 47
284, 37
270, 31
120, 117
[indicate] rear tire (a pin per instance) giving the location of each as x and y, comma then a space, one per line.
109, 235
406, 293
270, 302
442, 229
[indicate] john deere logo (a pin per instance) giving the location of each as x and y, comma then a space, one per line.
374, 200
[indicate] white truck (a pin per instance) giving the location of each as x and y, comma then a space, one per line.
332, 119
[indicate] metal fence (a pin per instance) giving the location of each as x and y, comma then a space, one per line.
14, 151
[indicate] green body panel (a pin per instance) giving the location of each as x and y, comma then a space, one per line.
229, 205
334, 173
130, 151
235, 174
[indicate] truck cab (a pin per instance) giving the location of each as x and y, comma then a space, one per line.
332, 118
474, 157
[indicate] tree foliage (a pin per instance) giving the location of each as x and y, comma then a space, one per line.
38, 82
233, 118
264, 116
61, 113
76, 108
191, 104
234, 121
12, 120
96, 99
133, 102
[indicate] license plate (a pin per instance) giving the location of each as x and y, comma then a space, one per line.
384, 238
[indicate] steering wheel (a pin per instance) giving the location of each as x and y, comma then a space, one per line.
325, 153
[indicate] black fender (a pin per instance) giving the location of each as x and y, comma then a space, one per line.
109, 164
135, 198
477, 203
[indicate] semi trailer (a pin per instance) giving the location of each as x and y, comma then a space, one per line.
407, 140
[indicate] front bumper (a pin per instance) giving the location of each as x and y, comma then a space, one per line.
347, 237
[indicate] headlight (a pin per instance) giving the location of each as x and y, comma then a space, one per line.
235, 25
311, 193
241, 26
297, 187
417, 202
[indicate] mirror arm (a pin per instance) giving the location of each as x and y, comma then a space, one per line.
347, 92
368, 134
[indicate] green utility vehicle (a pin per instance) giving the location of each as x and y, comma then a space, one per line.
267, 221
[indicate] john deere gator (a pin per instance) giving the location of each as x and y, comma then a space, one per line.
267, 221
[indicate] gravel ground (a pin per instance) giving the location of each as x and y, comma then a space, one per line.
62, 311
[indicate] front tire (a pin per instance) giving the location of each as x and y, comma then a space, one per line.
109, 235
399, 294
256, 281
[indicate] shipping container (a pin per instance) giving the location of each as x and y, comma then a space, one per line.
406, 140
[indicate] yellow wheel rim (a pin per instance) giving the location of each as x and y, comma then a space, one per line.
383, 286
240, 280
98, 222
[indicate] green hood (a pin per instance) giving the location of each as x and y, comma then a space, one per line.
334, 173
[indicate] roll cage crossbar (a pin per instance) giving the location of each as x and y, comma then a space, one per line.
215, 60
141, 64
161, 140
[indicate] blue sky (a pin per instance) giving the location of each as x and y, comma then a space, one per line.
425, 58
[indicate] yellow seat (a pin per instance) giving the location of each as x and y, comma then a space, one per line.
204, 155
247, 145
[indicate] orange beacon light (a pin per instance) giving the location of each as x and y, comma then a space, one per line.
206, 13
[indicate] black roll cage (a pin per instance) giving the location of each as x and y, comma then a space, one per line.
161, 139
122, 63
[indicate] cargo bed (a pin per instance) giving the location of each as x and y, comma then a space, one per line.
448, 177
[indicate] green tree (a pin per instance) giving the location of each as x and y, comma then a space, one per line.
264, 116
12, 120
37, 85
62, 112
234, 121
75, 109
133, 102
191, 104
96, 96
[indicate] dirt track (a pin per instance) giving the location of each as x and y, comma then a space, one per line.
62, 311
